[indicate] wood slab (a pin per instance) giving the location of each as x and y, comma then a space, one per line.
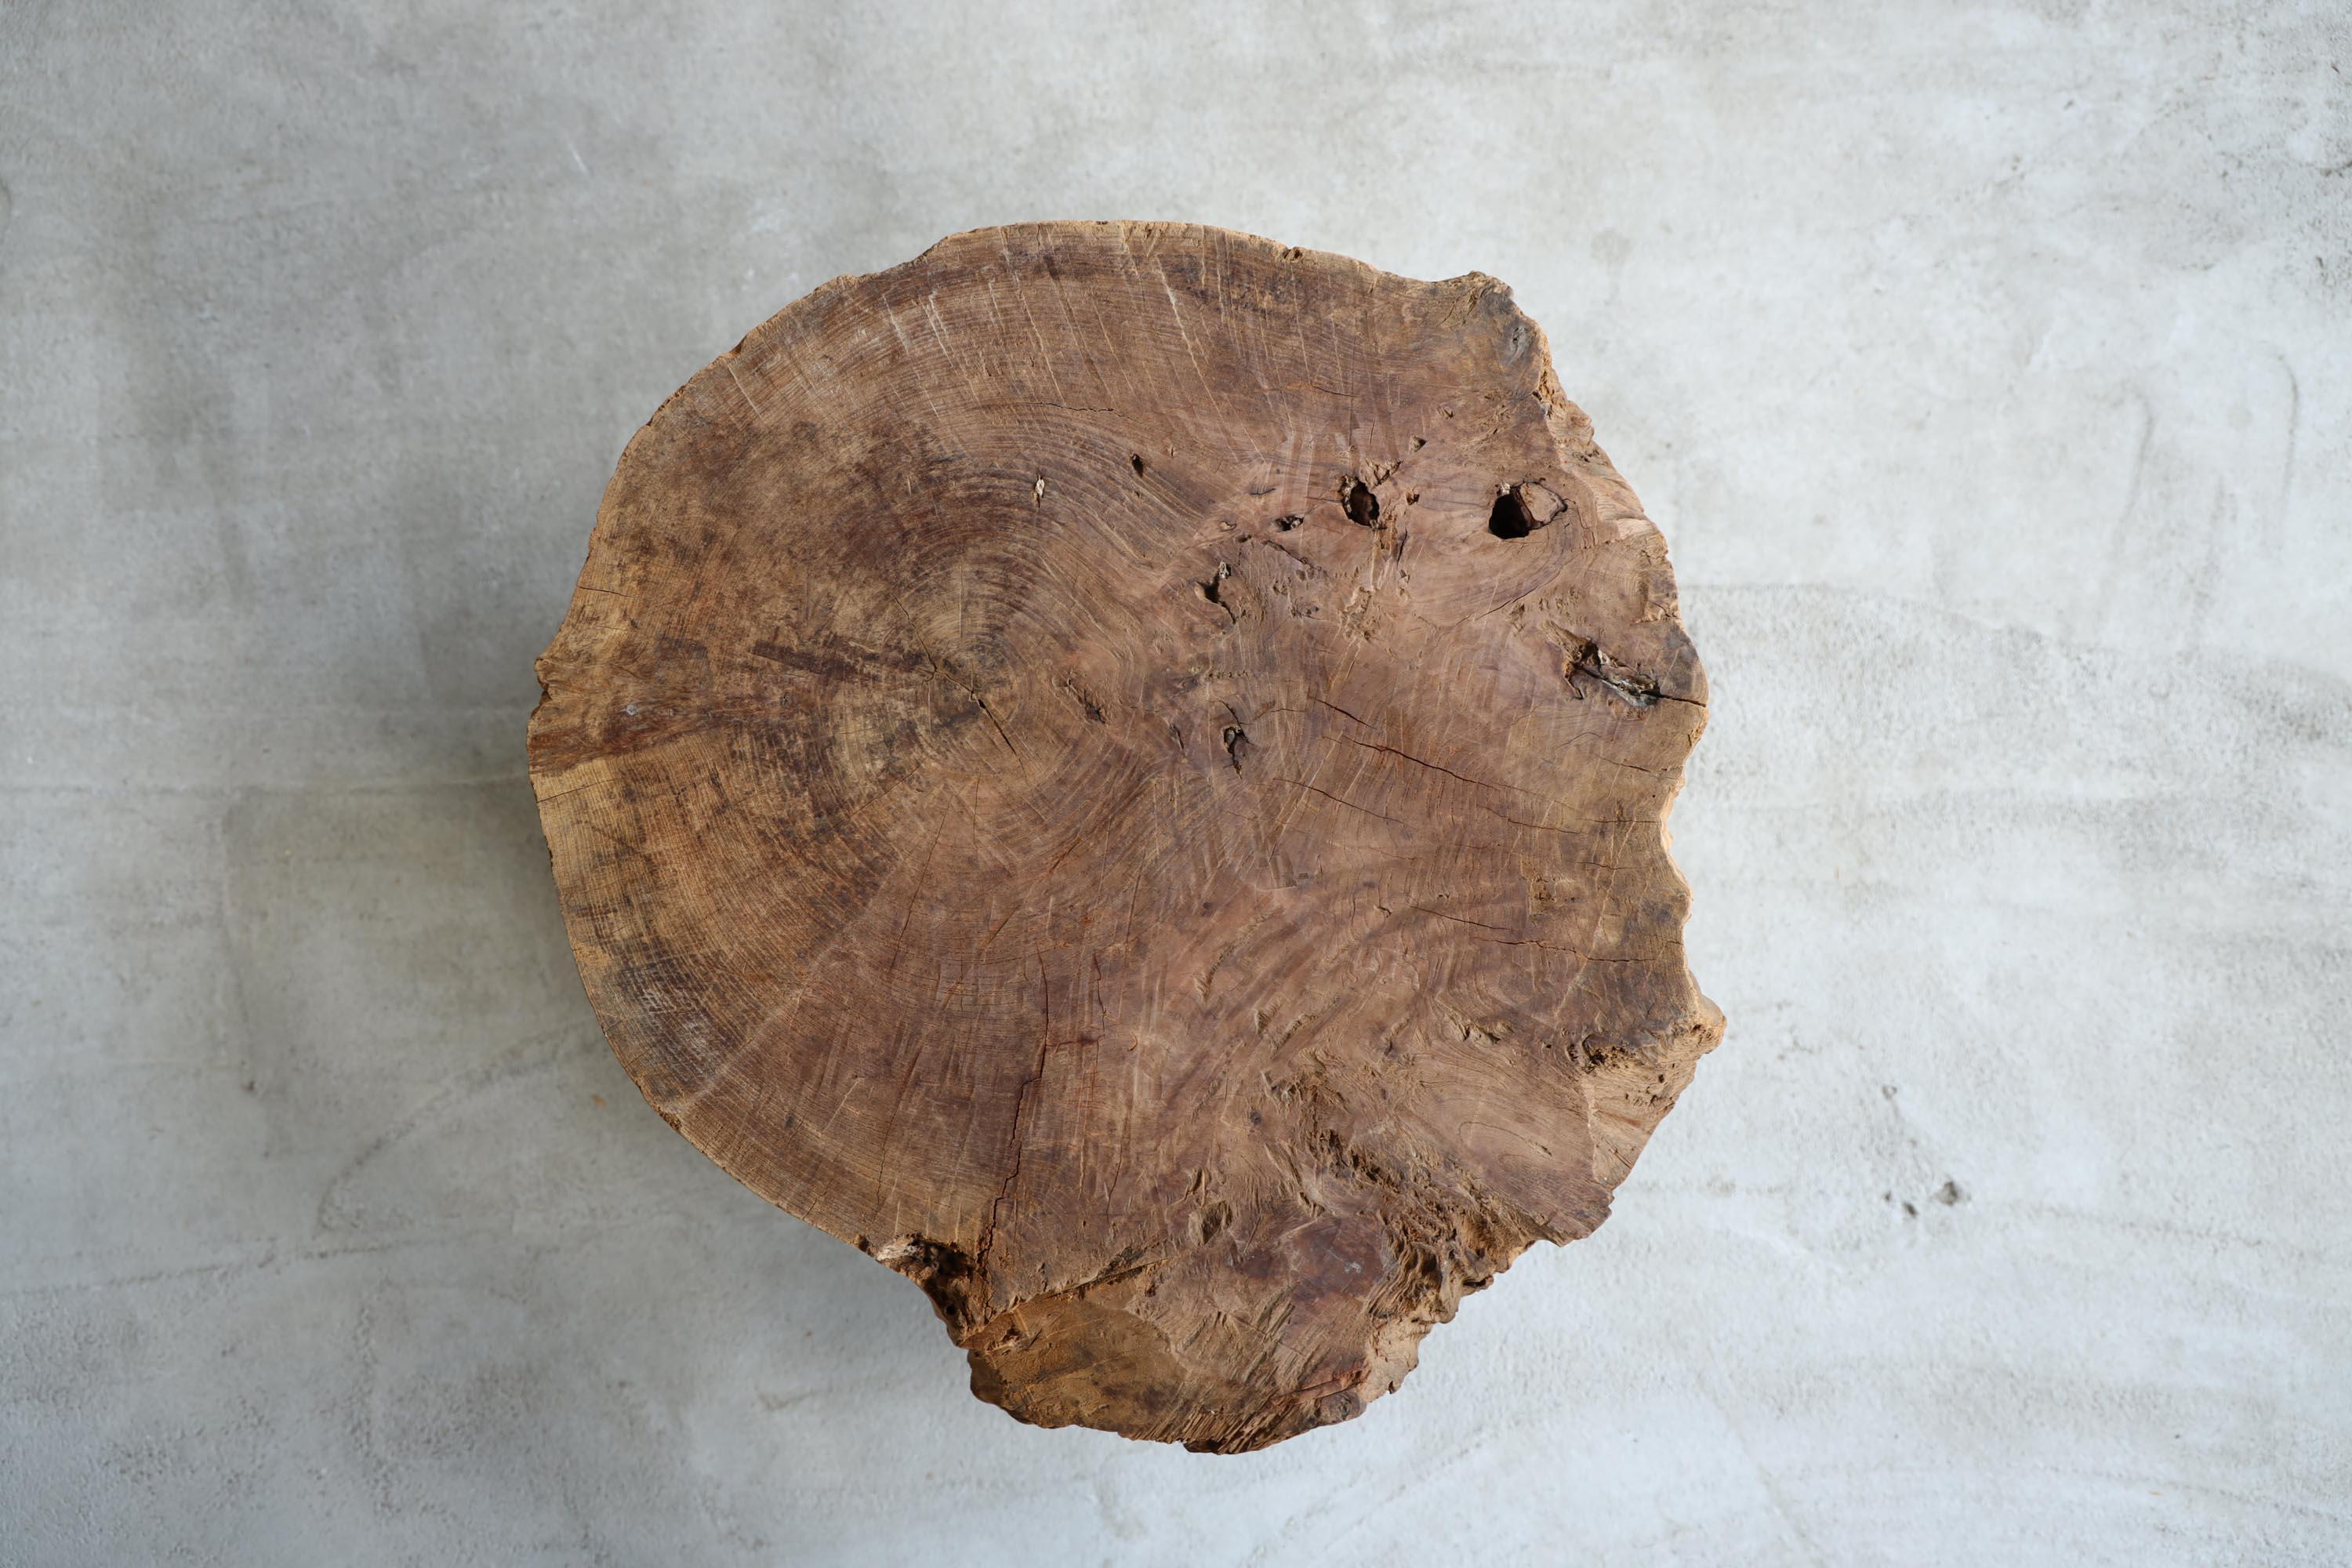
1121, 769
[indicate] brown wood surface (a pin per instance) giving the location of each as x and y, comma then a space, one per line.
1121, 768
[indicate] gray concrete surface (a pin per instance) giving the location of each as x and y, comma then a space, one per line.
1991, 370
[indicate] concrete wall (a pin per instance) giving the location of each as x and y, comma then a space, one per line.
1991, 370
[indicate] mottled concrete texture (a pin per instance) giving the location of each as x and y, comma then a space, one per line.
1991, 370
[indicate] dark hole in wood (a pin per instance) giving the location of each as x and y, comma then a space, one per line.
1509, 520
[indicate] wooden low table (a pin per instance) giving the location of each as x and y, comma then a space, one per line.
1121, 769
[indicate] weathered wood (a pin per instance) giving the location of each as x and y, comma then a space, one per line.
1121, 768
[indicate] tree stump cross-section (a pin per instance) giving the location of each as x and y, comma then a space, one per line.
1122, 769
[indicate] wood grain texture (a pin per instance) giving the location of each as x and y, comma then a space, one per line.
1121, 768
